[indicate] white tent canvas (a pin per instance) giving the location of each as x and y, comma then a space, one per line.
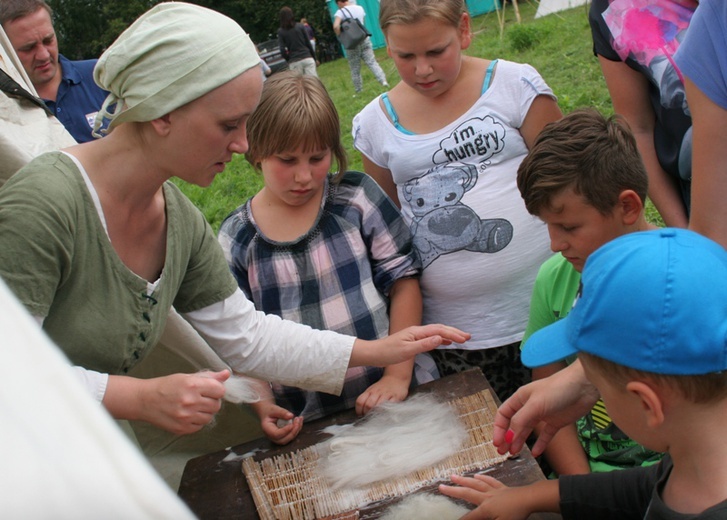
547, 7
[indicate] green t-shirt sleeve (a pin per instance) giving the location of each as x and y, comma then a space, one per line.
540, 313
554, 292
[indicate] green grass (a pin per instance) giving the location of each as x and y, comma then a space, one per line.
558, 46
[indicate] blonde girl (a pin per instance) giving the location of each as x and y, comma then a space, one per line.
329, 250
445, 144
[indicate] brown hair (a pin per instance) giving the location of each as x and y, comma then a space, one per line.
698, 389
407, 12
294, 110
13, 9
595, 156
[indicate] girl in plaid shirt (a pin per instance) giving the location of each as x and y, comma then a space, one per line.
327, 250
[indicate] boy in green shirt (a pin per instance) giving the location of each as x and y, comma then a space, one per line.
585, 179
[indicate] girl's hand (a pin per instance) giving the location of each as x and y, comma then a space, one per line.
388, 388
494, 500
278, 424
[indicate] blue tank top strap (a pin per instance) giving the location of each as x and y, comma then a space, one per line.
488, 76
392, 114
395, 118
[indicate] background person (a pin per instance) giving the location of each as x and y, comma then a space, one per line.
311, 32
27, 129
66, 86
635, 43
702, 60
294, 44
363, 52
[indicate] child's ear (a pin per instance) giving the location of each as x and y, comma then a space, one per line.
651, 402
630, 207
465, 31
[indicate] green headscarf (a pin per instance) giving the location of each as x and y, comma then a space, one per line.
171, 55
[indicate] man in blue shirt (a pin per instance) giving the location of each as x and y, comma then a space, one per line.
66, 86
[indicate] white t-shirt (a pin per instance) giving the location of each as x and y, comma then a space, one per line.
356, 11
479, 246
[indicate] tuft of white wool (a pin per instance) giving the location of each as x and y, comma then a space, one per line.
238, 389
393, 440
425, 506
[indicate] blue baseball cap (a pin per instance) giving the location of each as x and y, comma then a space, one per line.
654, 301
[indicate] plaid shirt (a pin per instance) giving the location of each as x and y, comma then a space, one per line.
336, 277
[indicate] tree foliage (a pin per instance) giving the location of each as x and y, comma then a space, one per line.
86, 27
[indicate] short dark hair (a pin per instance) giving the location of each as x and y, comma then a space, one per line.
13, 9
698, 389
595, 156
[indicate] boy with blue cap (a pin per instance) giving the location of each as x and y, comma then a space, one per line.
650, 330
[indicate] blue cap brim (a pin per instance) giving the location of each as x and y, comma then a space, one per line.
548, 345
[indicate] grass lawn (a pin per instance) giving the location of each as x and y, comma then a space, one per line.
558, 46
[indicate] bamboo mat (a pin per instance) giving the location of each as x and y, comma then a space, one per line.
288, 487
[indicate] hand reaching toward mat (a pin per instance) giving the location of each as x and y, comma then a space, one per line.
388, 388
404, 345
496, 501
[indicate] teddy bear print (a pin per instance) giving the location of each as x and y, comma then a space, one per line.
442, 224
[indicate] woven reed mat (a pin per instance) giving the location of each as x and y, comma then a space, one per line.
288, 487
